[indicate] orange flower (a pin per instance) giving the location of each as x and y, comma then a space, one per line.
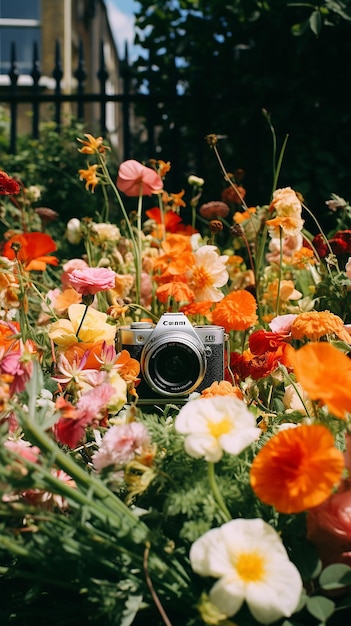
197, 308
128, 368
176, 289
65, 299
92, 145
289, 225
90, 177
313, 365
316, 324
222, 388
33, 249
241, 216
302, 258
177, 198
297, 469
76, 351
237, 311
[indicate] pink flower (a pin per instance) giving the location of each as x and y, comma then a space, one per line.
120, 444
135, 179
23, 449
69, 267
329, 528
70, 428
91, 280
282, 323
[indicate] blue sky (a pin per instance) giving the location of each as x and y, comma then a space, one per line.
122, 23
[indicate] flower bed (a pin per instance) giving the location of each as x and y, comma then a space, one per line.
175, 406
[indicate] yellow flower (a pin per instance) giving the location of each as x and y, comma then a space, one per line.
92, 145
94, 327
90, 177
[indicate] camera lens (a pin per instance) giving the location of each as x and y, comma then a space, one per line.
175, 367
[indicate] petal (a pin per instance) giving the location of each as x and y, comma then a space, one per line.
227, 596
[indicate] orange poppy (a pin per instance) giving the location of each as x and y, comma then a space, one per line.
176, 289
297, 469
316, 324
33, 250
128, 367
313, 364
197, 308
237, 311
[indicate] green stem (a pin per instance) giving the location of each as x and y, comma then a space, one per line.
216, 492
277, 304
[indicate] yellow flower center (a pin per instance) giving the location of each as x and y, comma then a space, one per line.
250, 567
223, 427
201, 278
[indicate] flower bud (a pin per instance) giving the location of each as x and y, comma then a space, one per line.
73, 231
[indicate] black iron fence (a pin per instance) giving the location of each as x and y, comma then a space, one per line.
15, 95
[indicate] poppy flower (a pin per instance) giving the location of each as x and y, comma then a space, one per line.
33, 250
297, 469
261, 341
177, 290
135, 179
313, 364
237, 311
8, 186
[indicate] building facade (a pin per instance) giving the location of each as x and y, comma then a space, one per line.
81, 28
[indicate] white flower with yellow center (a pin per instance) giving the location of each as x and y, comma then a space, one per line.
252, 565
208, 274
216, 425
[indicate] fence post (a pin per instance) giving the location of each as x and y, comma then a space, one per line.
57, 75
36, 77
80, 75
102, 76
13, 74
126, 104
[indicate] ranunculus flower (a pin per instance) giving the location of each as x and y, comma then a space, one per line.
237, 311
135, 179
252, 565
92, 280
215, 425
94, 328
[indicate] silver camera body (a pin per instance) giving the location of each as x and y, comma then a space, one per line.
176, 358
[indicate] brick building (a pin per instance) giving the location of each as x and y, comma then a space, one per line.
77, 26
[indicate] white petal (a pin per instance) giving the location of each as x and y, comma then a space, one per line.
227, 596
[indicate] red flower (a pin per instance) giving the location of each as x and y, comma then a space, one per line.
8, 186
262, 341
135, 179
33, 249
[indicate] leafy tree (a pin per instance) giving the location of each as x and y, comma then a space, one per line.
213, 66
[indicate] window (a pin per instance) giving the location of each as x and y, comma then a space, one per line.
19, 24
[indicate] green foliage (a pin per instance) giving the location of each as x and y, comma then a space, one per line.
52, 163
226, 62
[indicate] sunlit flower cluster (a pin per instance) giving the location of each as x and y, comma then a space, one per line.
224, 483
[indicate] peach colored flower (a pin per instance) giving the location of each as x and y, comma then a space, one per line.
208, 274
222, 388
135, 179
237, 311
313, 364
286, 202
297, 469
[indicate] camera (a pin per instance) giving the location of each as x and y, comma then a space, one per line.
176, 358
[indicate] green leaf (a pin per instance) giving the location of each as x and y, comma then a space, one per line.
332, 577
316, 22
321, 608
